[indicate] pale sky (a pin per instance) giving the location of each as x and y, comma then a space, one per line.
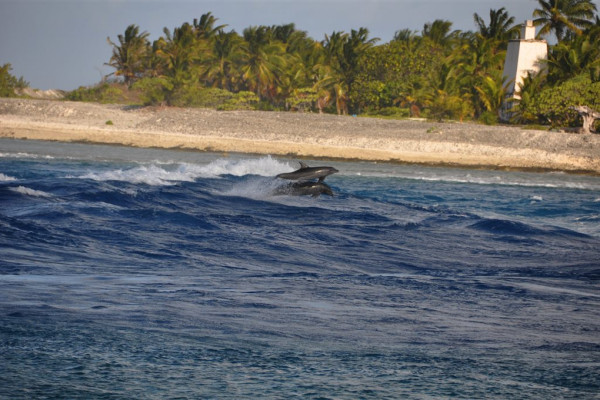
61, 44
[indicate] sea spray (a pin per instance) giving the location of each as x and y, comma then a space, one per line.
158, 174
6, 178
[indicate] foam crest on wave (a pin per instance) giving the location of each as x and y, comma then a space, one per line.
158, 174
6, 178
26, 155
264, 166
542, 180
502, 181
152, 174
30, 192
258, 188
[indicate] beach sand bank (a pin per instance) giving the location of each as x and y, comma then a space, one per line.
301, 135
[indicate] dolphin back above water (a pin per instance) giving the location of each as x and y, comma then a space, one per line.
306, 173
305, 188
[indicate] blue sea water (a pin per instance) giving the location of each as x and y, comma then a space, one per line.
163, 274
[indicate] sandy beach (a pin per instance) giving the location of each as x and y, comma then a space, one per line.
301, 135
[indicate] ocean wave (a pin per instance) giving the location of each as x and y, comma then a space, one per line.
6, 178
259, 188
147, 174
159, 174
263, 166
30, 192
499, 226
27, 155
588, 218
516, 228
512, 182
550, 180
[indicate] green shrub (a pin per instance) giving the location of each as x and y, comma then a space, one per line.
101, 93
445, 106
112, 94
489, 118
153, 91
243, 100
390, 112
158, 91
200, 97
8, 83
553, 104
302, 99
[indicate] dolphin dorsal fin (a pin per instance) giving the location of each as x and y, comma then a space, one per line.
302, 165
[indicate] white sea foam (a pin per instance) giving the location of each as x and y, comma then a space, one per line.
254, 188
30, 192
26, 155
150, 175
549, 180
169, 174
507, 182
6, 178
264, 166
592, 217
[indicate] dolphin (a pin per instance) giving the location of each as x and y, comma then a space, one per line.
305, 188
307, 173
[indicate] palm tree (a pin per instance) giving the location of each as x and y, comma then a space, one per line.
341, 55
329, 72
492, 92
501, 26
564, 16
283, 33
262, 61
129, 56
405, 35
442, 96
205, 27
577, 56
438, 32
523, 110
357, 44
180, 53
223, 60
295, 77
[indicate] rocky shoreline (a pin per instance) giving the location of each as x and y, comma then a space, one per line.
301, 135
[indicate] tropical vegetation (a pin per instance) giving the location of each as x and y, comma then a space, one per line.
8, 82
437, 73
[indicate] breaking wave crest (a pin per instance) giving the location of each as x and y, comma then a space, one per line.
30, 192
169, 174
6, 178
26, 155
550, 180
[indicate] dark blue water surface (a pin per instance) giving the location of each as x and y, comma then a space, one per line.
155, 274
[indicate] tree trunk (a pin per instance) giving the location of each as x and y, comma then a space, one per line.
588, 115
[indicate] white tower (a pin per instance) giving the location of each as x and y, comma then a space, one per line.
523, 56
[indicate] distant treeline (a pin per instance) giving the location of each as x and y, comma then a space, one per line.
437, 73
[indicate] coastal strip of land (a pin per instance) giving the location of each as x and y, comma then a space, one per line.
301, 135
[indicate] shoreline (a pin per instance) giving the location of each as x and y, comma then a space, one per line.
302, 135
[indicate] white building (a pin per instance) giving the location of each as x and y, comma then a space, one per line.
523, 56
